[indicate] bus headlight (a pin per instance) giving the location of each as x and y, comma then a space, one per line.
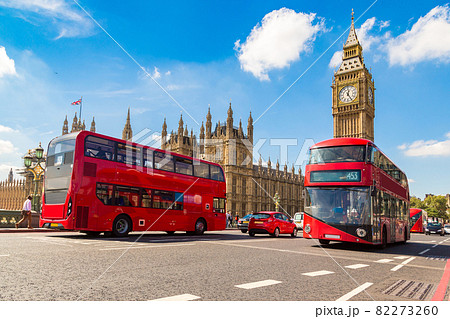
307, 228
361, 232
69, 207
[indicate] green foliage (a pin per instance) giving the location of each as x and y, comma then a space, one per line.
436, 206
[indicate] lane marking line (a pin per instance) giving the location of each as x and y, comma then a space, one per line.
184, 297
137, 247
311, 254
402, 264
318, 273
401, 257
355, 291
422, 241
423, 252
357, 266
4, 255
258, 284
434, 245
442, 287
383, 261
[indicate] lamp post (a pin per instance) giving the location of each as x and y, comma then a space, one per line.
276, 199
32, 162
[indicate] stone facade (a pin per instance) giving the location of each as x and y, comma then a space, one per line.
77, 125
353, 93
250, 187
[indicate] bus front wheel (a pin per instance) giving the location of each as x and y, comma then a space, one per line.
121, 226
200, 227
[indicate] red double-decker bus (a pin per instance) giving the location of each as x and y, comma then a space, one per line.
418, 218
95, 183
354, 193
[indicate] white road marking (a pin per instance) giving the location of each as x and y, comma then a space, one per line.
356, 266
318, 273
4, 255
184, 297
356, 291
382, 261
51, 242
434, 245
422, 241
149, 246
423, 252
402, 264
258, 284
401, 257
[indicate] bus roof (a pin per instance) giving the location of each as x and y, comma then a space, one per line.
342, 141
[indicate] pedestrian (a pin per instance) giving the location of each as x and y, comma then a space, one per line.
236, 219
26, 212
228, 219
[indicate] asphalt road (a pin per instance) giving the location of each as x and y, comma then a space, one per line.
225, 265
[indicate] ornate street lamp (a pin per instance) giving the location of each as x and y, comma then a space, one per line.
32, 162
276, 199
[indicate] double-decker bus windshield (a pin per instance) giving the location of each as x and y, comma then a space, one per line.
353, 153
346, 205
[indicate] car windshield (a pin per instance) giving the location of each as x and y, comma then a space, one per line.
434, 224
247, 216
260, 216
298, 217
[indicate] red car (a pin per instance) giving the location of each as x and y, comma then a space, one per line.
273, 223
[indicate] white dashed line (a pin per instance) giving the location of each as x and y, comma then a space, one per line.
4, 255
383, 261
402, 264
258, 284
184, 297
160, 246
354, 292
356, 266
423, 252
401, 257
318, 273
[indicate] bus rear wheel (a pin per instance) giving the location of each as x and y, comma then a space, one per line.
200, 227
121, 226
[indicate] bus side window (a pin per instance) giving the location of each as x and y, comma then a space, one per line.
105, 193
162, 199
148, 158
99, 148
146, 198
201, 169
178, 204
216, 173
164, 161
183, 166
127, 196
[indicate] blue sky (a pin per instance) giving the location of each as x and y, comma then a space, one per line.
212, 52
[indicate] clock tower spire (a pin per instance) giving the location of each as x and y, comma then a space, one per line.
353, 93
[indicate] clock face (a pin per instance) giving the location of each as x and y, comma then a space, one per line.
347, 94
370, 94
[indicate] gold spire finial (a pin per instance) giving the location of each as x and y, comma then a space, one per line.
352, 14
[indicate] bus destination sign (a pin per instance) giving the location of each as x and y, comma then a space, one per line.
336, 176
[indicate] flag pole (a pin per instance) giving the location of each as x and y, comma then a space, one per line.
81, 106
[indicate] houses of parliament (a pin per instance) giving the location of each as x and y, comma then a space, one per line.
251, 187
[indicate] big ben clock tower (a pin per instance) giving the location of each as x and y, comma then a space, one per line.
353, 93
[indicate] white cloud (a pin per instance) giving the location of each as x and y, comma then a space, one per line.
427, 148
156, 74
6, 129
278, 41
335, 60
70, 22
7, 66
6, 147
428, 39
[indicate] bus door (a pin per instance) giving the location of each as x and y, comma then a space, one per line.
207, 210
376, 217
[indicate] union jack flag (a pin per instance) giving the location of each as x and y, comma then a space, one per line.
77, 102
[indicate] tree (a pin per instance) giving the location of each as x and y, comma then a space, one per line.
417, 203
436, 206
